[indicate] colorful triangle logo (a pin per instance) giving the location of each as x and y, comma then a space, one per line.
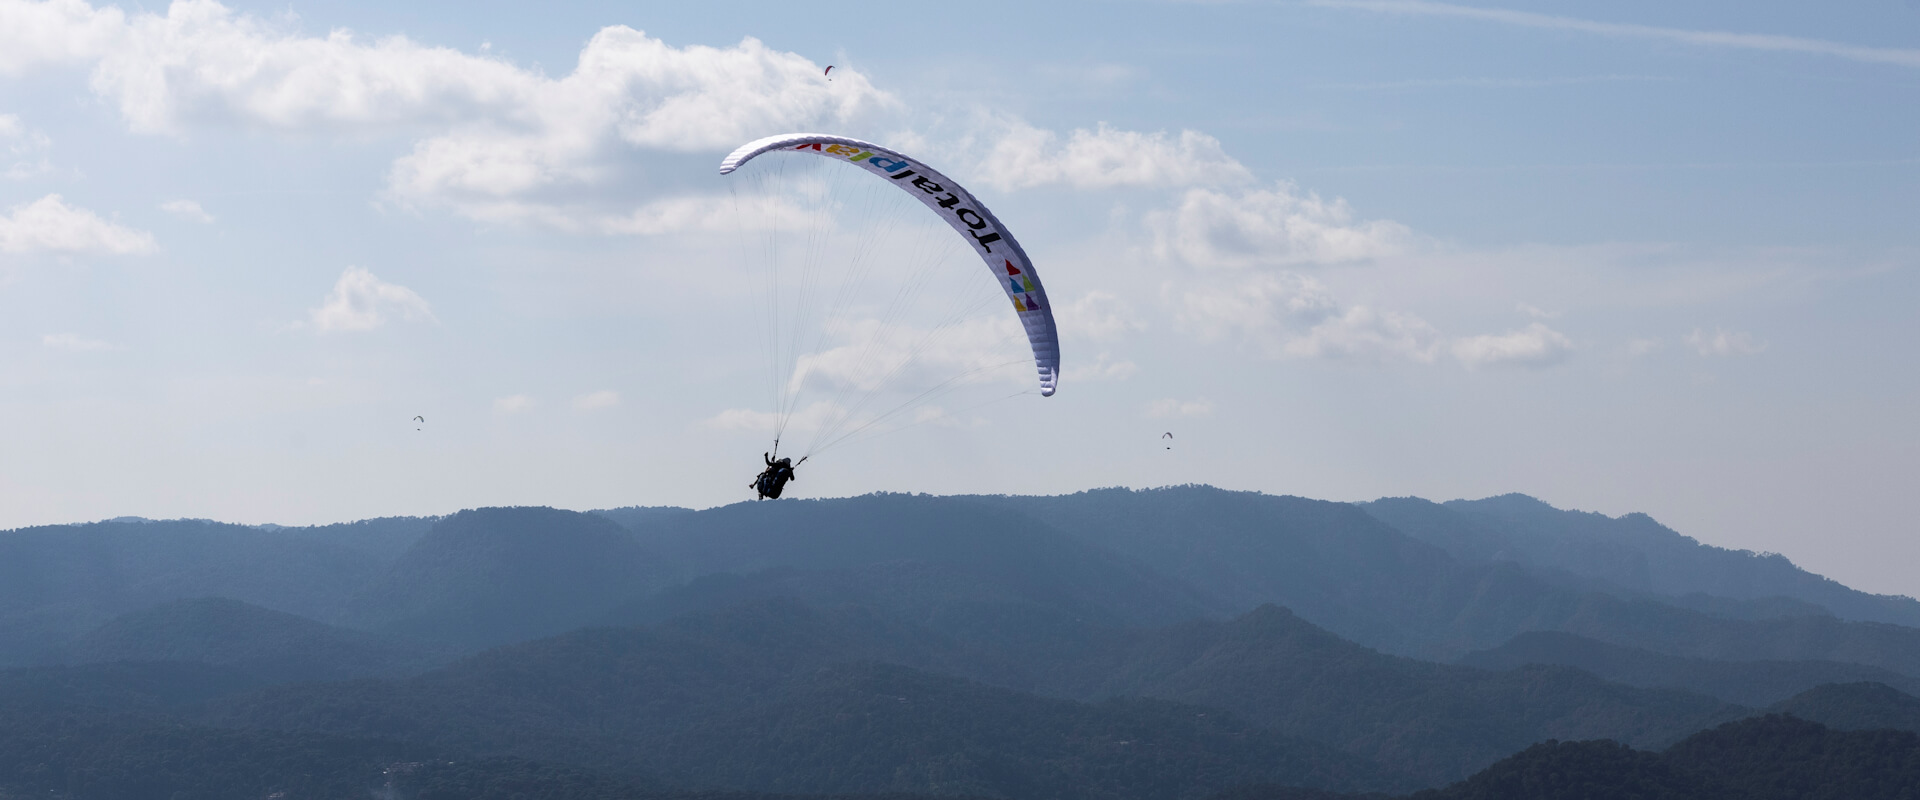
1028, 282
1017, 305
1011, 269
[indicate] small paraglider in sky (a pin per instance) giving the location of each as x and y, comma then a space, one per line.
421, 420
1165, 436
829, 72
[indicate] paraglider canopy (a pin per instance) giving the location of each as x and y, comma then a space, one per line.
842, 212
1167, 435
977, 225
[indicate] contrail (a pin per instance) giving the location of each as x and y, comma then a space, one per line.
1900, 57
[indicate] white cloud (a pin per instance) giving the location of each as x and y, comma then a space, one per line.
1365, 334
497, 134
512, 404
186, 209
1268, 227
1723, 343
55, 32
940, 417
23, 153
712, 214
1098, 316
1536, 313
1641, 347
68, 341
1103, 368
50, 225
361, 302
811, 418
629, 91
1293, 316
877, 353
1025, 156
1531, 347
594, 401
1745, 41
1170, 407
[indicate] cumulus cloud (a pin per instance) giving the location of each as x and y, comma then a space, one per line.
1724, 343
629, 91
1532, 347
33, 34
49, 225
1025, 156
23, 153
202, 59
1098, 316
186, 209
497, 133
361, 302
1171, 407
1104, 368
594, 401
875, 353
68, 341
1292, 316
512, 404
1264, 227
1361, 333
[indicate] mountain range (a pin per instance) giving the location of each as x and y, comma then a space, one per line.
1176, 643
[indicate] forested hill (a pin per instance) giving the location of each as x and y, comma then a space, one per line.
1631, 553
1191, 639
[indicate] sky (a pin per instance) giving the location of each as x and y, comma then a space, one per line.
1623, 256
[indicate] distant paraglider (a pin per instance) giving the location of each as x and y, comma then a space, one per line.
1166, 436
421, 420
829, 72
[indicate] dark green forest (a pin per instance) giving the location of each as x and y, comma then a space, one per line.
1185, 643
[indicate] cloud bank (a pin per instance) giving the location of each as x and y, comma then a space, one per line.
50, 225
1268, 227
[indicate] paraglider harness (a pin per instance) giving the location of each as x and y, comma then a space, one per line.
774, 478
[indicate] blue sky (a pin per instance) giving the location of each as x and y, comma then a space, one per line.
1621, 256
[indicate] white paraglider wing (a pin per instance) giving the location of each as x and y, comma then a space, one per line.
991, 240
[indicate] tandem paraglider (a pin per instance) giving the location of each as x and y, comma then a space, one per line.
773, 480
791, 204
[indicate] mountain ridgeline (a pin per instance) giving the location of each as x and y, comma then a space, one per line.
1178, 643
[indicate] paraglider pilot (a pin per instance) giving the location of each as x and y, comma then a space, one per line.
775, 477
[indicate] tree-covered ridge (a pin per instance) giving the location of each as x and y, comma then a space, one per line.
870, 719
735, 644
274, 646
1771, 757
1124, 558
1747, 682
1855, 707
713, 701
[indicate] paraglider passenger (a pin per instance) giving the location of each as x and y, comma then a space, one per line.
774, 479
